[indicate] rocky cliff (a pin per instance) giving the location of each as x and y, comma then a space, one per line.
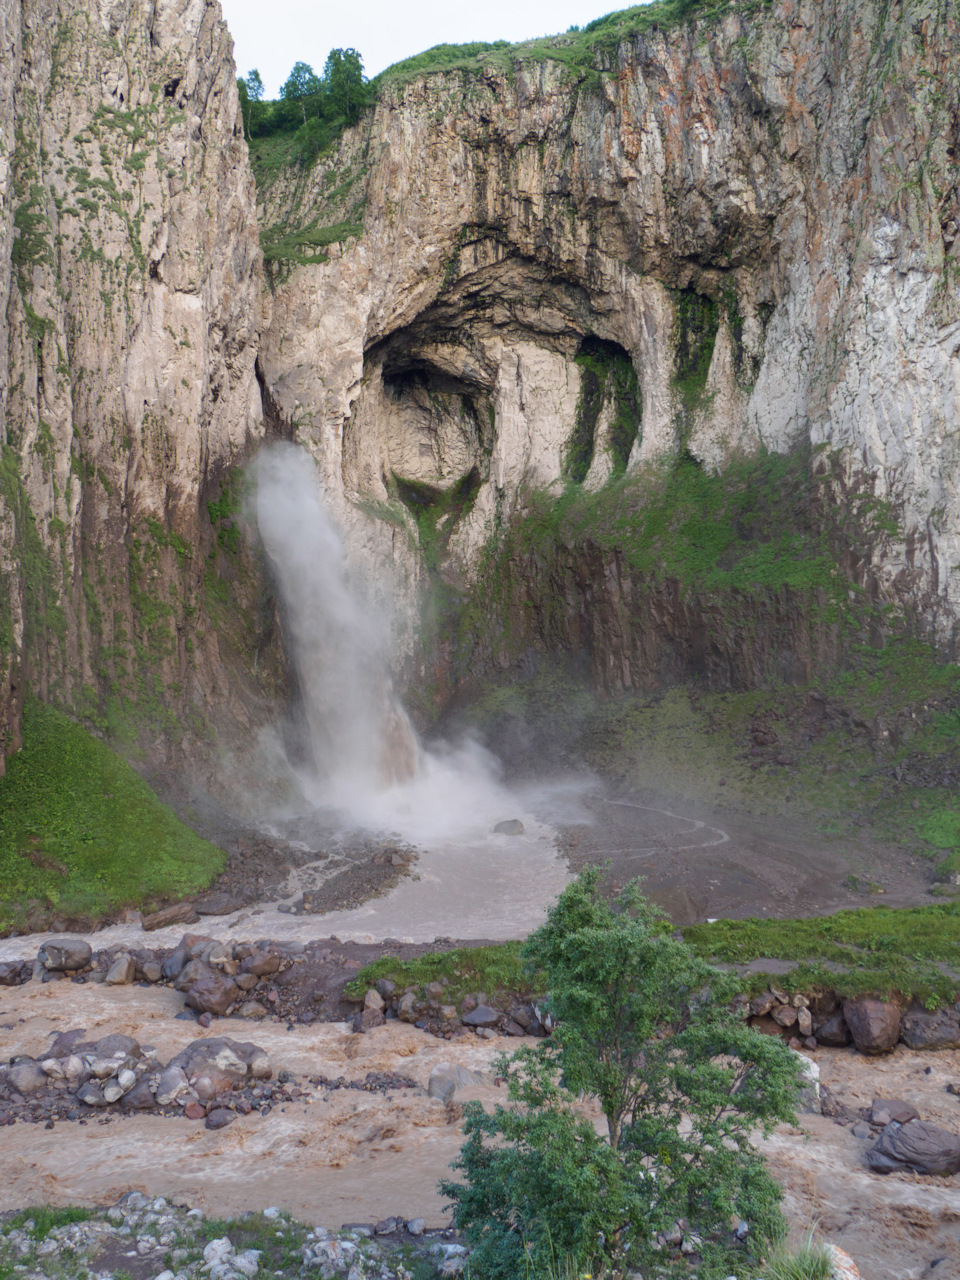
548, 266
721, 236
130, 310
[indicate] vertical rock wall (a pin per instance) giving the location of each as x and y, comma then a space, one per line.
130, 310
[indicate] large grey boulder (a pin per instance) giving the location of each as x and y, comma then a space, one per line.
215, 994
482, 1016
916, 1146
65, 954
447, 1077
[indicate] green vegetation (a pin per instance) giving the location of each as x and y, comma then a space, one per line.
312, 110
306, 245
606, 375
809, 1262
46, 1218
580, 50
82, 835
695, 334
643, 1026
495, 970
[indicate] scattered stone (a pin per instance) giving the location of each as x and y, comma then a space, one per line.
918, 1146
874, 1024
369, 1019
252, 1009
195, 1111
374, 1000
65, 954
223, 1061
785, 1015
10, 973
862, 1130
804, 1021
140, 1098
509, 827
416, 1226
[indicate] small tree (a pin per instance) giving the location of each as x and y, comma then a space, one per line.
646, 1028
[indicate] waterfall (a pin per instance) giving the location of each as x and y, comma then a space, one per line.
361, 737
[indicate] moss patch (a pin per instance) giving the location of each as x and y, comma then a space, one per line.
492, 970
82, 835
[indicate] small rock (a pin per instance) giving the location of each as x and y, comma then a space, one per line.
214, 994
112, 1091
195, 1111
785, 1015
416, 1226
140, 1098
373, 1000
804, 1022
385, 1226
91, 1095
509, 827
862, 1130
27, 1076
220, 1117
252, 1009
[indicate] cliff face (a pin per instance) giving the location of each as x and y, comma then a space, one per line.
746, 226
737, 233
130, 309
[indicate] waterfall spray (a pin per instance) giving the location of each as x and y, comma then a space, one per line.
361, 737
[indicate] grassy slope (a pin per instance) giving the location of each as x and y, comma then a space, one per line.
82, 835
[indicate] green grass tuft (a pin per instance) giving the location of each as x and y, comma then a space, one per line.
81, 834
491, 970
47, 1218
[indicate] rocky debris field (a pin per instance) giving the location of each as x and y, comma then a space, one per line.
288, 981
144, 1238
872, 1026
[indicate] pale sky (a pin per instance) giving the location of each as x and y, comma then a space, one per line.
272, 35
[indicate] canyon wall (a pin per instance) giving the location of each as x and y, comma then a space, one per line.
130, 312
711, 239
731, 235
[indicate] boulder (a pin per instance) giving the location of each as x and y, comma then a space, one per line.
940, 1030
179, 913
172, 1083
834, 1032
761, 1004
785, 1015
509, 827
252, 1009
261, 964
804, 1022
373, 1000
65, 954
172, 966
482, 1016
66, 1043
917, 1146
369, 1019
27, 1076
91, 1095
10, 973
407, 1009
874, 1024
140, 1098
112, 1090
122, 972
447, 1077
192, 972
215, 994
883, 1110
224, 1061
116, 1045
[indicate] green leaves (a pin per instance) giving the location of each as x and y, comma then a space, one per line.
645, 1030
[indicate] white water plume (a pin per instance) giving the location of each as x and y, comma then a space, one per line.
360, 736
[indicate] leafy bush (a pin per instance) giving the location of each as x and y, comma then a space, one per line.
644, 1028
